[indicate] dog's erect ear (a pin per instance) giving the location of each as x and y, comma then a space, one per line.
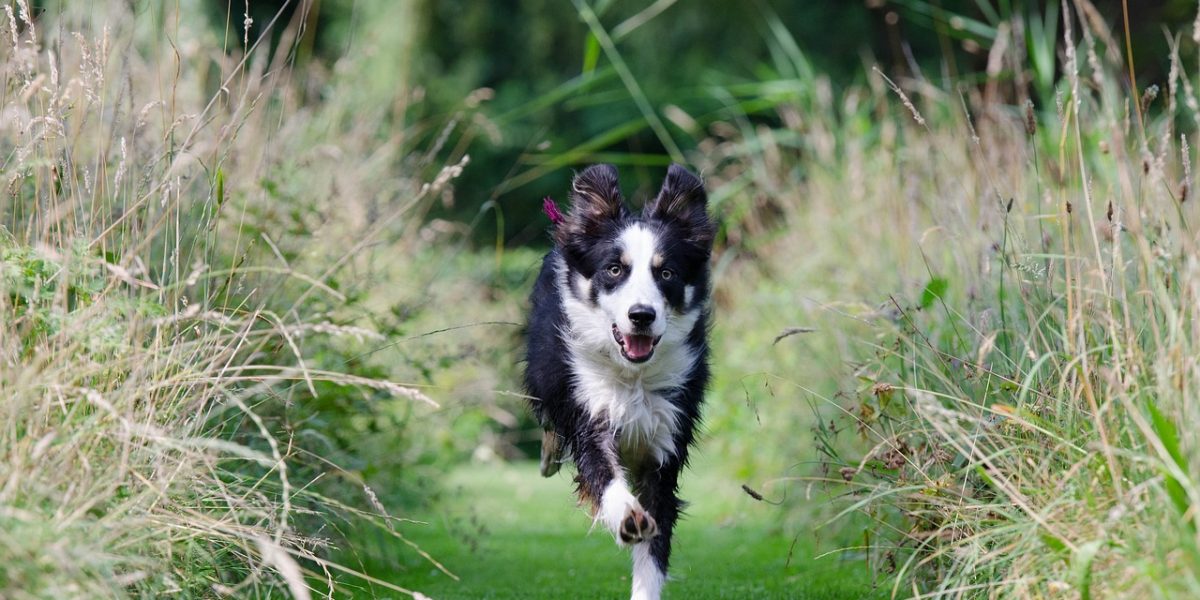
595, 199
683, 200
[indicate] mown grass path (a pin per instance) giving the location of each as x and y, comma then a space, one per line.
508, 533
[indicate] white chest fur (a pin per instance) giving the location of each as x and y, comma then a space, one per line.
634, 398
645, 417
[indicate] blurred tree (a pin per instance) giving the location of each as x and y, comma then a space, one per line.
682, 54
530, 92
540, 53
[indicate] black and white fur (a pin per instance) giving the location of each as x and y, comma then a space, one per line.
618, 355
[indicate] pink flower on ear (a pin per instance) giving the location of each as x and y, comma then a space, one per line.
551, 210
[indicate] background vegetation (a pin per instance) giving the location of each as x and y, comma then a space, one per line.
263, 268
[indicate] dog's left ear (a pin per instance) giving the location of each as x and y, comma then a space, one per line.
683, 200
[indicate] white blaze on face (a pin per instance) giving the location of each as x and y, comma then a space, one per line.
636, 398
638, 248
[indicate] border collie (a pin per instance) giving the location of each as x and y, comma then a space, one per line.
617, 357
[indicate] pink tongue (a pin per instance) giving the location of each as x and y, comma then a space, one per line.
637, 346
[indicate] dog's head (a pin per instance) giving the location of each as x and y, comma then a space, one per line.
637, 273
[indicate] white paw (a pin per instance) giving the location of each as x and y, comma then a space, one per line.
624, 516
637, 526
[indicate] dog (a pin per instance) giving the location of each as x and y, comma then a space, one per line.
617, 355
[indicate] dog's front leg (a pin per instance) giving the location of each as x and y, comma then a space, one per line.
657, 486
601, 482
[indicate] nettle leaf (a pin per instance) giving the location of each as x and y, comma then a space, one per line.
934, 291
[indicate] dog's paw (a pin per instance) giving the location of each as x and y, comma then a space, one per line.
637, 526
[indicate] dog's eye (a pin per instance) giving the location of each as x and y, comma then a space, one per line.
666, 274
614, 270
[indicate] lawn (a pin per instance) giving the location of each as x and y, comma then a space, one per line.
508, 533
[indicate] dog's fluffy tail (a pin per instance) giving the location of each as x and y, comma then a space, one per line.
552, 452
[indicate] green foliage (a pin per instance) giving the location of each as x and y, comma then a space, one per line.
934, 291
556, 99
45, 292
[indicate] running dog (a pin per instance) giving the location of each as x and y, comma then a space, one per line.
617, 355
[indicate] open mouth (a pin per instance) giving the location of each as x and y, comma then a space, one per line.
635, 348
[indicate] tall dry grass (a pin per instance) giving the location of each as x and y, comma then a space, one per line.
1010, 289
1003, 292
154, 306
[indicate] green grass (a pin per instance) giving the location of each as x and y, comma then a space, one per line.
508, 533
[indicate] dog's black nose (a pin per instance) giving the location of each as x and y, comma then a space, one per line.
641, 315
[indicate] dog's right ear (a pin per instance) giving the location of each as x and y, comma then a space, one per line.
595, 200
683, 200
